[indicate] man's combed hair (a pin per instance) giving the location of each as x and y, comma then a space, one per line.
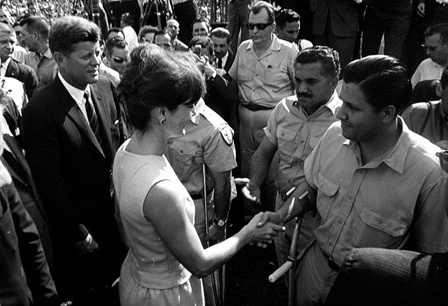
258, 6
383, 79
327, 57
156, 77
36, 24
440, 28
70, 30
286, 16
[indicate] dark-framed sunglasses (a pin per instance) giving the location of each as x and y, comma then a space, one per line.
118, 60
260, 26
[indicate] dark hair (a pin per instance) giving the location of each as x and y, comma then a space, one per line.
327, 57
383, 79
36, 24
70, 30
205, 42
286, 16
221, 33
200, 20
115, 42
156, 77
146, 29
440, 28
258, 6
114, 30
444, 78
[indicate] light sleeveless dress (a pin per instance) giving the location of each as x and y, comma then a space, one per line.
150, 275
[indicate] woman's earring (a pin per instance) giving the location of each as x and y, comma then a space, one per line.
163, 120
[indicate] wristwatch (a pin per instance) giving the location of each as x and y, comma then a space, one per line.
220, 223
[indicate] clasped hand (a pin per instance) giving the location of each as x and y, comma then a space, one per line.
263, 230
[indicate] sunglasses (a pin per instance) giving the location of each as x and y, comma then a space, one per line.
118, 60
429, 48
260, 26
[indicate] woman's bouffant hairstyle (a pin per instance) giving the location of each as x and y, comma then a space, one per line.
155, 78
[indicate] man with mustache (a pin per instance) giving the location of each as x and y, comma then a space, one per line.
373, 182
294, 128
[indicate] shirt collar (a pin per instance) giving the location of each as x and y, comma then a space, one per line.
6, 63
396, 157
75, 93
196, 119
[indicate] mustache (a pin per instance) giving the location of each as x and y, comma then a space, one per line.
304, 95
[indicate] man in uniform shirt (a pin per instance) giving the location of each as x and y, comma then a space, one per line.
208, 140
35, 36
373, 182
264, 70
294, 129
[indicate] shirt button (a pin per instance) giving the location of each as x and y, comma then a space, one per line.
181, 151
339, 221
330, 243
380, 225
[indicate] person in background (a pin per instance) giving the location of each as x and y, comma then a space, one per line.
430, 119
200, 27
288, 28
112, 32
436, 46
35, 36
173, 27
186, 11
26, 278
146, 34
117, 53
158, 216
238, 11
264, 71
162, 38
20, 52
126, 23
224, 56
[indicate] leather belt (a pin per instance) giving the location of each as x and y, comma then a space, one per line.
255, 107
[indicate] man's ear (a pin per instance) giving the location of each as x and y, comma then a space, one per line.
390, 112
58, 57
439, 89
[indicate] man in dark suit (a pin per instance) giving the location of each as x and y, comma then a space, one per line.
224, 56
11, 67
336, 24
70, 134
21, 251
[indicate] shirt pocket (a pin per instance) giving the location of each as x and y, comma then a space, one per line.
325, 198
276, 76
181, 157
287, 144
377, 230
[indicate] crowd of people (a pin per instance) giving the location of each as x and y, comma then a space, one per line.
121, 152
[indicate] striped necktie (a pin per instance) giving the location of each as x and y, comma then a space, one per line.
92, 118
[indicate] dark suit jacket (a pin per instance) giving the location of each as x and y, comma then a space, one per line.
26, 187
24, 74
73, 176
20, 247
343, 15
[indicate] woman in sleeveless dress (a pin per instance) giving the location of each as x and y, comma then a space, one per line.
160, 89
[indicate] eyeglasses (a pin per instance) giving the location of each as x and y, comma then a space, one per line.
429, 48
260, 26
118, 60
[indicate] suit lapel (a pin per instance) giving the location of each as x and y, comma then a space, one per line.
11, 71
75, 114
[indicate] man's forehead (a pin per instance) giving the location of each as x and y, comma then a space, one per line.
173, 23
